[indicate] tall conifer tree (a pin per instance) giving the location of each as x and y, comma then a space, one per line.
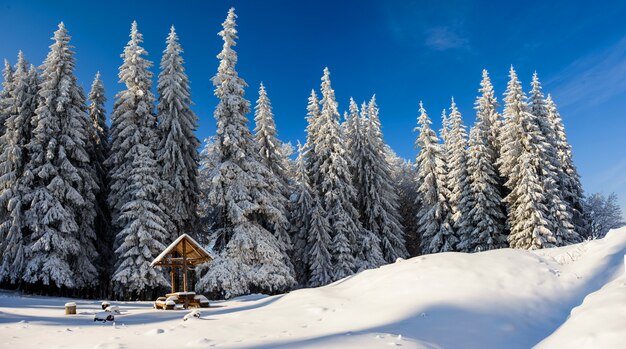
177, 152
60, 178
135, 176
381, 211
487, 216
457, 179
433, 216
336, 189
550, 172
570, 181
311, 157
6, 94
520, 136
301, 206
270, 147
242, 192
21, 99
273, 156
99, 151
319, 240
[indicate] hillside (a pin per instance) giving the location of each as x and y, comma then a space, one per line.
572, 296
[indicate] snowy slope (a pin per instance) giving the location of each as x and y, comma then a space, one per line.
496, 299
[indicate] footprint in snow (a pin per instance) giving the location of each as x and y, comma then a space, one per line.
154, 331
108, 345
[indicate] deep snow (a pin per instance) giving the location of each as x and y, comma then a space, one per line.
497, 299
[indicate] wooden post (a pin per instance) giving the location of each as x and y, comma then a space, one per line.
184, 266
173, 279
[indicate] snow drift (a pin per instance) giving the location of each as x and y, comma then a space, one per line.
573, 296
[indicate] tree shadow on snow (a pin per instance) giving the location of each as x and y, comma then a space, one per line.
132, 313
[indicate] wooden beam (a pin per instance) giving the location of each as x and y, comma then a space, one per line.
178, 261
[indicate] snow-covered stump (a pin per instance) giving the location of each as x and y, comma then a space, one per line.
105, 305
70, 308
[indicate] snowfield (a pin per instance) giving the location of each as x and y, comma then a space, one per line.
569, 297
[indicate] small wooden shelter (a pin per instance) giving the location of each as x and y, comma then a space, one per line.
183, 253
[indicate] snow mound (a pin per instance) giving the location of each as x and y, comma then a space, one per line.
569, 297
194, 314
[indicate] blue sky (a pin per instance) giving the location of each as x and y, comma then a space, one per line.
403, 51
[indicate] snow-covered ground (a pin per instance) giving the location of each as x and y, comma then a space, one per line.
570, 297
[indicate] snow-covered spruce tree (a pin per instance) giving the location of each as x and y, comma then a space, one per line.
493, 119
445, 128
243, 193
433, 216
447, 225
272, 154
381, 210
58, 206
6, 97
487, 216
457, 180
89, 191
550, 171
353, 131
354, 134
177, 152
336, 190
569, 183
301, 206
287, 150
368, 247
403, 175
270, 147
520, 138
135, 177
6, 94
311, 158
318, 259
99, 151
21, 108
209, 160
319, 241
487, 106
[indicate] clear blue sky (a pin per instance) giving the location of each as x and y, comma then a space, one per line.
403, 51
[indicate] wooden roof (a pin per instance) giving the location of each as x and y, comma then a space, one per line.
173, 254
